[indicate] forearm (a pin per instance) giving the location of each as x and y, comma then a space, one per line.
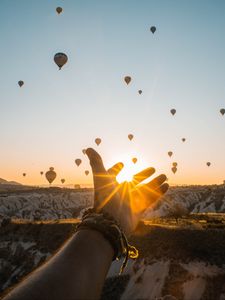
77, 271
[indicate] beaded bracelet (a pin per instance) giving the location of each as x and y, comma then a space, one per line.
111, 230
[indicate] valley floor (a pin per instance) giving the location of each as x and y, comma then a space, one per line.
186, 262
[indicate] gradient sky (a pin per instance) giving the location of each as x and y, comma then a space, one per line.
56, 114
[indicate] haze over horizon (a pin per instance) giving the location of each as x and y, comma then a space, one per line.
56, 113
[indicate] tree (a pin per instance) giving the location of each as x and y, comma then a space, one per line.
178, 211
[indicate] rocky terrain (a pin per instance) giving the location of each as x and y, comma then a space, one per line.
168, 263
44, 203
59, 203
177, 260
196, 199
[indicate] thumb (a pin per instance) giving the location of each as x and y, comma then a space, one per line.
95, 161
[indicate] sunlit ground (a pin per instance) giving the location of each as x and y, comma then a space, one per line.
193, 221
50, 222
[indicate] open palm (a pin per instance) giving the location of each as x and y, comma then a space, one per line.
127, 201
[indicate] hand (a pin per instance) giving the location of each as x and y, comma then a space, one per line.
127, 201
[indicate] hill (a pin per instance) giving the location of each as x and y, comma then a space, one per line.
168, 263
44, 203
36, 221
196, 199
60, 203
3, 181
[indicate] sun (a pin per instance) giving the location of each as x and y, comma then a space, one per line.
131, 166
129, 170
125, 175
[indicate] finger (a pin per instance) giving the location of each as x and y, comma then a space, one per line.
139, 177
164, 188
115, 170
95, 161
156, 182
152, 191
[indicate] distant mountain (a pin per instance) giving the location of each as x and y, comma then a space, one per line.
3, 181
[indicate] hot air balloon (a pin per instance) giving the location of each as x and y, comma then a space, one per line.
140, 92
24, 174
41, 173
208, 164
173, 111
183, 139
127, 79
63, 180
98, 141
174, 169
59, 10
222, 111
174, 164
134, 160
130, 137
153, 29
170, 153
84, 151
60, 59
21, 83
78, 161
86, 172
50, 175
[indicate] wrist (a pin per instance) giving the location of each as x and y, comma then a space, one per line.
95, 241
110, 230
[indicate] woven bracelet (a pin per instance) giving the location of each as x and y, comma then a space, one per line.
110, 229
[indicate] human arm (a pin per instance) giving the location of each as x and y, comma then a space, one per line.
79, 269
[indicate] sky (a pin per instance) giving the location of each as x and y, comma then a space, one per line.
56, 114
